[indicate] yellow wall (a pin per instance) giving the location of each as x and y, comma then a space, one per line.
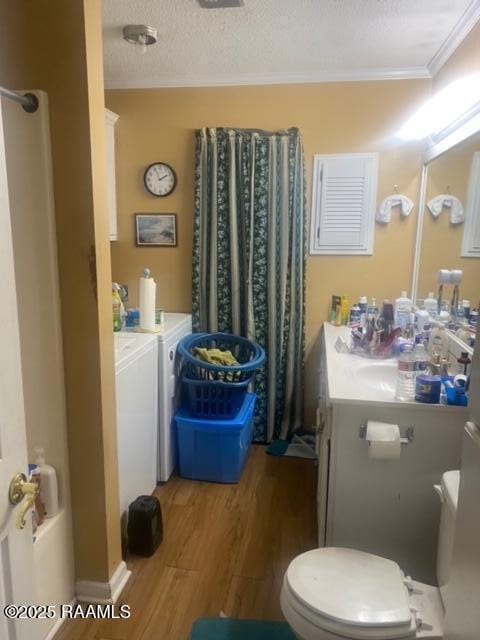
442, 241
68, 66
334, 118
464, 61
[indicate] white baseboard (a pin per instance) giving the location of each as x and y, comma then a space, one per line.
103, 592
56, 627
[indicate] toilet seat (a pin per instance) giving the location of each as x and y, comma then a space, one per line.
352, 594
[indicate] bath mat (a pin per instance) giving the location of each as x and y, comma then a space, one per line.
299, 447
277, 447
302, 447
226, 629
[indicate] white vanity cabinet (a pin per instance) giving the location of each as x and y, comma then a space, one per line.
110, 122
388, 508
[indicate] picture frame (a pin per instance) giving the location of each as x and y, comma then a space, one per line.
156, 230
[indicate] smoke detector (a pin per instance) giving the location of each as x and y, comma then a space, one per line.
141, 35
220, 4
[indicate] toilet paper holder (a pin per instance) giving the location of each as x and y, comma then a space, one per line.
407, 438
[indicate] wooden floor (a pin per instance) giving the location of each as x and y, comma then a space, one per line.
225, 549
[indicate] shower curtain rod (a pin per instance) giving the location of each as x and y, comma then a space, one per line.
29, 101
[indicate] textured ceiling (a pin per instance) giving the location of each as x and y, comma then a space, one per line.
269, 41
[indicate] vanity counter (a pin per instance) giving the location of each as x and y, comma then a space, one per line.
385, 507
353, 379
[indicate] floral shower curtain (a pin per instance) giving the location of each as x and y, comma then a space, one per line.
249, 258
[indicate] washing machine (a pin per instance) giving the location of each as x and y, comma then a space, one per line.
136, 385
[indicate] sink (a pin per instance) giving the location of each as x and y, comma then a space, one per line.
379, 376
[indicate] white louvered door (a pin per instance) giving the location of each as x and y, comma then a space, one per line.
471, 229
343, 204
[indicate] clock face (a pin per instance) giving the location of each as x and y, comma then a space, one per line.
160, 179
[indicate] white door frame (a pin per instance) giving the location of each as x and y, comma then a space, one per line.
16, 546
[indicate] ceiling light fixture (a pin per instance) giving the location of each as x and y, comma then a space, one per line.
140, 35
443, 109
220, 4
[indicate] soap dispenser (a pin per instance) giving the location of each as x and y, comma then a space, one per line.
48, 484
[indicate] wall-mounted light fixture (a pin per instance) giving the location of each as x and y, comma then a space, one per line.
446, 109
141, 35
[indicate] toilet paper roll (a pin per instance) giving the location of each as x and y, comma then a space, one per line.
148, 291
383, 440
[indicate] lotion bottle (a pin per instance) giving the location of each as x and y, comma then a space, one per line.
48, 484
431, 305
403, 309
117, 308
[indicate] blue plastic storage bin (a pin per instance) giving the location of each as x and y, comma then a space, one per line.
214, 400
214, 450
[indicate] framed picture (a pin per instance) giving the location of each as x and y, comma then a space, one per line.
156, 229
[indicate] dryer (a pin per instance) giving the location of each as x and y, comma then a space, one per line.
175, 327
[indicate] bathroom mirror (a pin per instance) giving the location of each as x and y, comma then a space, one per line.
449, 222
445, 242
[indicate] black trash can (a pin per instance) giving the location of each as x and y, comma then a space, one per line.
145, 526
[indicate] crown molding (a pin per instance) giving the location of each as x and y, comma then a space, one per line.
463, 128
461, 30
366, 75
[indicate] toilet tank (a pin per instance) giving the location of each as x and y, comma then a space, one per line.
448, 491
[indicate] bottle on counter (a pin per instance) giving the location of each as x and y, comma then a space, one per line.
444, 315
431, 305
363, 304
345, 310
48, 484
438, 341
473, 319
403, 309
464, 361
116, 308
372, 310
355, 314
466, 309
422, 318
405, 389
421, 358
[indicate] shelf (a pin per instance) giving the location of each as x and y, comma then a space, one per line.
47, 525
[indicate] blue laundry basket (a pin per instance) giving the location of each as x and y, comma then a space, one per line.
214, 400
249, 355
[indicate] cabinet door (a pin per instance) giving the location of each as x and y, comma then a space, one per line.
474, 396
323, 450
110, 121
324, 416
462, 620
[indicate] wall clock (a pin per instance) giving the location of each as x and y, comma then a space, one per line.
160, 179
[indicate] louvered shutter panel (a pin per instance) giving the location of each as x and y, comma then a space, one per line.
471, 230
343, 204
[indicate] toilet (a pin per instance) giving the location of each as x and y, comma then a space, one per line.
335, 593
